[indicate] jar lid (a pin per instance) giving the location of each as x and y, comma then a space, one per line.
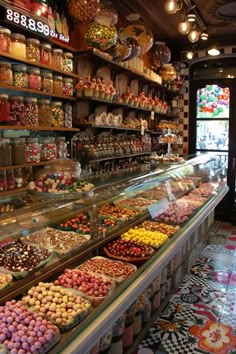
19, 67
57, 50
67, 79
5, 141
46, 74
3, 95
60, 138
34, 71
18, 140
44, 101
45, 45
56, 103
16, 98
31, 99
31, 140
44, 140
33, 40
68, 55
57, 77
19, 36
4, 30
5, 63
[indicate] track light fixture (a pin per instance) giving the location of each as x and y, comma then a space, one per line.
172, 6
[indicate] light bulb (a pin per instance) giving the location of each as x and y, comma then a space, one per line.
171, 7
213, 51
184, 27
190, 55
191, 17
204, 36
193, 36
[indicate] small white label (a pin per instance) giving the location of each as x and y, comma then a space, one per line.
157, 208
152, 115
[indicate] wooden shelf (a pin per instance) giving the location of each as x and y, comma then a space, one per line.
35, 164
37, 92
38, 65
22, 127
12, 192
119, 157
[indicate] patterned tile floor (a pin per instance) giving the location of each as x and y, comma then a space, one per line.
201, 316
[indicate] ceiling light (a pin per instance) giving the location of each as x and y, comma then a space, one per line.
172, 6
190, 55
184, 27
213, 52
204, 36
193, 36
191, 17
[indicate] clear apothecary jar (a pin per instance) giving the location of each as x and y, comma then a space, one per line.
16, 110
32, 150
32, 50
10, 178
68, 115
57, 114
57, 85
18, 151
20, 75
68, 87
48, 149
5, 117
5, 73
30, 112
44, 113
18, 46
3, 181
5, 40
68, 64
61, 147
57, 58
34, 79
46, 54
5, 153
47, 82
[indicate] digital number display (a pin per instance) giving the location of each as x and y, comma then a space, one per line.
33, 25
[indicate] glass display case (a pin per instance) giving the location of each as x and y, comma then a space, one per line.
141, 223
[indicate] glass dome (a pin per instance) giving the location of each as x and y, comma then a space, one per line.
83, 10
100, 36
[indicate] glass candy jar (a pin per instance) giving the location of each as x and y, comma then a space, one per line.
61, 147
44, 113
10, 179
31, 112
32, 50
5, 153
46, 54
57, 114
20, 76
34, 79
68, 115
32, 150
16, 110
48, 149
3, 181
68, 65
5, 116
5, 40
18, 46
57, 58
47, 82
5, 73
68, 87
83, 11
57, 85
18, 151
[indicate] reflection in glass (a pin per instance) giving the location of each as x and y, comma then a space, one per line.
213, 102
212, 135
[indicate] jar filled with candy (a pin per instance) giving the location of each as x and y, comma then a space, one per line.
57, 114
3, 181
18, 151
31, 112
5, 116
5, 40
19, 180
68, 116
68, 65
57, 85
20, 76
18, 46
61, 147
68, 87
46, 54
5, 153
32, 50
48, 149
32, 150
16, 110
5, 73
47, 81
34, 79
57, 58
44, 113
10, 179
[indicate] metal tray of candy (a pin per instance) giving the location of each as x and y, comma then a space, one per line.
135, 260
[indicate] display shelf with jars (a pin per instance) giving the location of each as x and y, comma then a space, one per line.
22, 127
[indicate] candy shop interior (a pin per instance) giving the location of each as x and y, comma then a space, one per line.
117, 177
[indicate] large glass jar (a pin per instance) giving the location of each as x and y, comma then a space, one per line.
61, 147
44, 113
10, 179
16, 110
47, 82
68, 62
68, 116
68, 87
5, 153
18, 151
32, 50
57, 85
34, 79
5, 73
48, 149
4, 109
57, 114
31, 112
46, 54
57, 58
18, 47
32, 150
3, 181
19, 180
5, 40
20, 75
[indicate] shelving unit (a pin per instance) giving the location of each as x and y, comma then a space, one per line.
119, 157
22, 127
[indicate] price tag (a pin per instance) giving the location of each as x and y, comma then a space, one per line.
157, 208
152, 115
168, 189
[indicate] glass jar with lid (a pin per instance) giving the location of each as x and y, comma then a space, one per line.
5, 117
20, 75
32, 150
57, 85
47, 81
3, 181
57, 58
16, 110
32, 50
5, 40
57, 114
18, 151
18, 46
19, 180
68, 65
10, 179
5, 153
5, 73
46, 53
61, 147
68, 115
48, 149
68, 86
30, 112
44, 113
34, 79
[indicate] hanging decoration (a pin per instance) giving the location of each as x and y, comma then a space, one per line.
100, 36
83, 10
